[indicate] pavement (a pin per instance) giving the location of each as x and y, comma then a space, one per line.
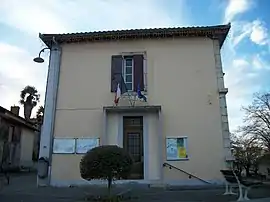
23, 189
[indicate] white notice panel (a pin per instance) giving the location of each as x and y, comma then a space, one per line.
85, 144
64, 146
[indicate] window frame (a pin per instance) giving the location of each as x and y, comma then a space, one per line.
124, 71
125, 54
185, 138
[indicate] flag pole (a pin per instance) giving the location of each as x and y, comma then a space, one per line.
124, 85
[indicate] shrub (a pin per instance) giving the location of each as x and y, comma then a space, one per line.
106, 162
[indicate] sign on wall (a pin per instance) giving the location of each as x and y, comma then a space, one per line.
176, 148
85, 144
64, 146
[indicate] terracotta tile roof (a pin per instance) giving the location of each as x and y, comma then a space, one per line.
215, 32
15, 118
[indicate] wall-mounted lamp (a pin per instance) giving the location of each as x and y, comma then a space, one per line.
40, 59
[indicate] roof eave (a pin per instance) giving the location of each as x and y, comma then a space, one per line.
46, 40
20, 121
221, 42
220, 32
9, 115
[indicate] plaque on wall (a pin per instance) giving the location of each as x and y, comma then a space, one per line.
64, 146
85, 144
176, 148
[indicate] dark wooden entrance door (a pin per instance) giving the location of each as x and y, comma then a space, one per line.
133, 143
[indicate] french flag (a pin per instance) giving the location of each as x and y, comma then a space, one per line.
117, 95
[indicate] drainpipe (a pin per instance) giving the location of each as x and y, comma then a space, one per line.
46, 139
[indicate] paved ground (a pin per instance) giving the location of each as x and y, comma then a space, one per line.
23, 189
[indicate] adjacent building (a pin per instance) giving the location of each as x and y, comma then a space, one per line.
16, 139
171, 115
264, 165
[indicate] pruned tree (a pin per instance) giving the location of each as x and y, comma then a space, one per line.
247, 153
106, 162
29, 99
38, 120
257, 119
40, 115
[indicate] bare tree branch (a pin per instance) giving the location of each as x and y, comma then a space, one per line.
247, 152
257, 119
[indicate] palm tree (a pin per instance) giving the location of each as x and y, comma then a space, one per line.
29, 99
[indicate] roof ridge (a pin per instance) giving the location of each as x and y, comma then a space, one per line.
144, 29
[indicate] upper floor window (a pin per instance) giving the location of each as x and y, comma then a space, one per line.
15, 134
127, 71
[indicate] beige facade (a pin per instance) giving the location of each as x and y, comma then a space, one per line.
181, 75
27, 147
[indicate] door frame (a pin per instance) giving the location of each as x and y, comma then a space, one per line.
129, 129
145, 140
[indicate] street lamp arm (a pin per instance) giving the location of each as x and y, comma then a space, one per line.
42, 50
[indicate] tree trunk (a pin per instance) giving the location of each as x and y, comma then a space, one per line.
109, 185
256, 170
247, 171
240, 170
27, 111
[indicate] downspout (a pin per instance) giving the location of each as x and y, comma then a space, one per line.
55, 42
56, 84
46, 139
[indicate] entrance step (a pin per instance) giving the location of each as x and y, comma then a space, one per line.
194, 187
158, 184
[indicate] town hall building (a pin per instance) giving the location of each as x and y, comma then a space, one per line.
158, 93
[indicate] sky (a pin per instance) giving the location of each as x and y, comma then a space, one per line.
245, 54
